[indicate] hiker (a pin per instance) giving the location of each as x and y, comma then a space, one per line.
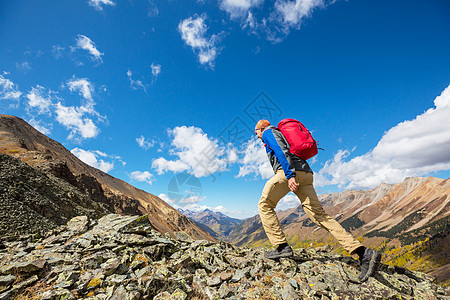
294, 174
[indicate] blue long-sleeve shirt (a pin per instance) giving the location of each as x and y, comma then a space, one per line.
277, 150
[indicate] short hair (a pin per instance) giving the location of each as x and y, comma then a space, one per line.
262, 124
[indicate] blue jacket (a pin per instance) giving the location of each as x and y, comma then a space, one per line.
277, 150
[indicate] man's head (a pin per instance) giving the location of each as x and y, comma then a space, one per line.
260, 126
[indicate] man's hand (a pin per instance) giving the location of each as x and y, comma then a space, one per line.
293, 185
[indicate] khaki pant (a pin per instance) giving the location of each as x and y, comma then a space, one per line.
277, 187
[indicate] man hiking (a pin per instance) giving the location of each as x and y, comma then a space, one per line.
294, 174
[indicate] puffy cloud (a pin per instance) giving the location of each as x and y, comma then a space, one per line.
76, 118
196, 153
411, 148
156, 69
144, 143
276, 19
168, 200
8, 90
82, 86
135, 84
288, 15
85, 43
255, 160
238, 8
142, 176
193, 33
98, 4
37, 99
292, 13
73, 119
93, 159
288, 201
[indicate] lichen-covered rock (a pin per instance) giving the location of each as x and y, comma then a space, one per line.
120, 257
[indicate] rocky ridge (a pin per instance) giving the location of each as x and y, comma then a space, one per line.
122, 257
21, 141
33, 203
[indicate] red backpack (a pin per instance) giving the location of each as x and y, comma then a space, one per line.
299, 138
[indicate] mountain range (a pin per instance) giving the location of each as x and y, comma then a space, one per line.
408, 221
43, 186
53, 176
215, 223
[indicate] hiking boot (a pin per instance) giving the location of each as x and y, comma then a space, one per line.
368, 263
278, 253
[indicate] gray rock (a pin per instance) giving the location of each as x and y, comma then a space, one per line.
183, 236
239, 274
30, 266
214, 280
120, 293
173, 269
110, 266
66, 279
57, 294
7, 280
78, 224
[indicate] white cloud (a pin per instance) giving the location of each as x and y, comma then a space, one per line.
85, 43
292, 13
92, 158
73, 119
288, 201
8, 90
135, 84
193, 33
144, 143
411, 148
288, 15
76, 118
156, 69
37, 99
238, 8
142, 176
196, 153
167, 199
98, 4
255, 160
82, 86
39, 127
276, 19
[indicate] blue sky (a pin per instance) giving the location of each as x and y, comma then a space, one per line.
165, 94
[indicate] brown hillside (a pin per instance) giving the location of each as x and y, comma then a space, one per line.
21, 140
